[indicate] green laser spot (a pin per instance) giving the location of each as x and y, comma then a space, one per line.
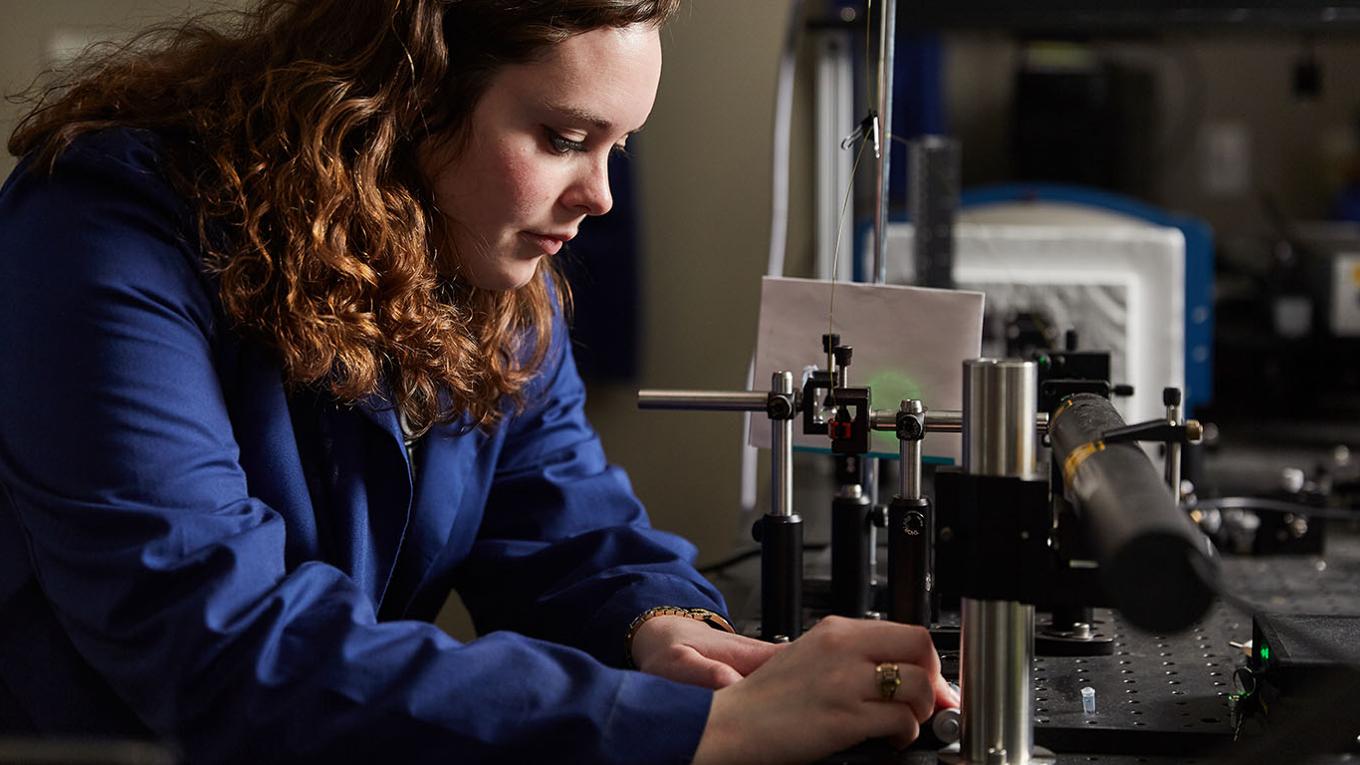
890, 388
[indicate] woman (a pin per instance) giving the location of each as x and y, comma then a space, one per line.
284, 360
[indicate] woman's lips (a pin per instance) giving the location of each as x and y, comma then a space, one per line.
549, 244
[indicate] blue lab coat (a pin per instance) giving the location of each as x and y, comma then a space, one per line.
192, 553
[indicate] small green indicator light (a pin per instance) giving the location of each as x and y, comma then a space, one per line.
1265, 653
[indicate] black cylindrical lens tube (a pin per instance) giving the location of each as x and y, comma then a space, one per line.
781, 577
909, 561
1157, 568
850, 574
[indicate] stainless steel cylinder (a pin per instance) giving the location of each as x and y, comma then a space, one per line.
781, 451
703, 400
1000, 399
996, 653
997, 637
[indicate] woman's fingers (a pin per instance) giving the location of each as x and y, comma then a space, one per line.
915, 688
945, 694
880, 641
742, 653
715, 675
895, 722
821, 693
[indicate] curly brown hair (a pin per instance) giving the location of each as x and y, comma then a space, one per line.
294, 132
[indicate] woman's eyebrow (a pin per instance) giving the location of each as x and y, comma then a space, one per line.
587, 116
582, 115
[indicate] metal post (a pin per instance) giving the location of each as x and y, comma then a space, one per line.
909, 527
941, 421
910, 480
1171, 397
781, 452
781, 534
703, 400
997, 637
887, 32
835, 110
780, 531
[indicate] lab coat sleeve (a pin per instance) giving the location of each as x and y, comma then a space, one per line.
565, 551
119, 464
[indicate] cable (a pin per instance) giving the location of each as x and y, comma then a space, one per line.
836, 254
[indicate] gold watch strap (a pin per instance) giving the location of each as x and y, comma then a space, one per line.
713, 619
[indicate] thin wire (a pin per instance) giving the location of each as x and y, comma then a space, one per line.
870, 87
836, 255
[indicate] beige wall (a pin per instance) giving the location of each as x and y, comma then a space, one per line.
29, 28
705, 162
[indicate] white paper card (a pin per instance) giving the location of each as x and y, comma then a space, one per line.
909, 342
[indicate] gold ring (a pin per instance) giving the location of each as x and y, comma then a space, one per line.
889, 677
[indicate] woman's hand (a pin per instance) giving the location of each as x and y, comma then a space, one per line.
821, 695
689, 651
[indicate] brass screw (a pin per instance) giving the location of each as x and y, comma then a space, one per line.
1194, 431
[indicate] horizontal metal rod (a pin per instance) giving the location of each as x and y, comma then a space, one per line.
940, 421
703, 400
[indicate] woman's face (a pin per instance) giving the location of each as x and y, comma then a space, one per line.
534, 165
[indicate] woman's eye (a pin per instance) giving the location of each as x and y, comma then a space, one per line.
563, 145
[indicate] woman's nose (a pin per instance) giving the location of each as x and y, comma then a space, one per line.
589, 193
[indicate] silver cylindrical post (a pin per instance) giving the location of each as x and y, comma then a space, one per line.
940, 421
703, 400
781, 530
910, 481
945, 421
781, 451
997, 637
1172, 398
997, 653
887, 33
